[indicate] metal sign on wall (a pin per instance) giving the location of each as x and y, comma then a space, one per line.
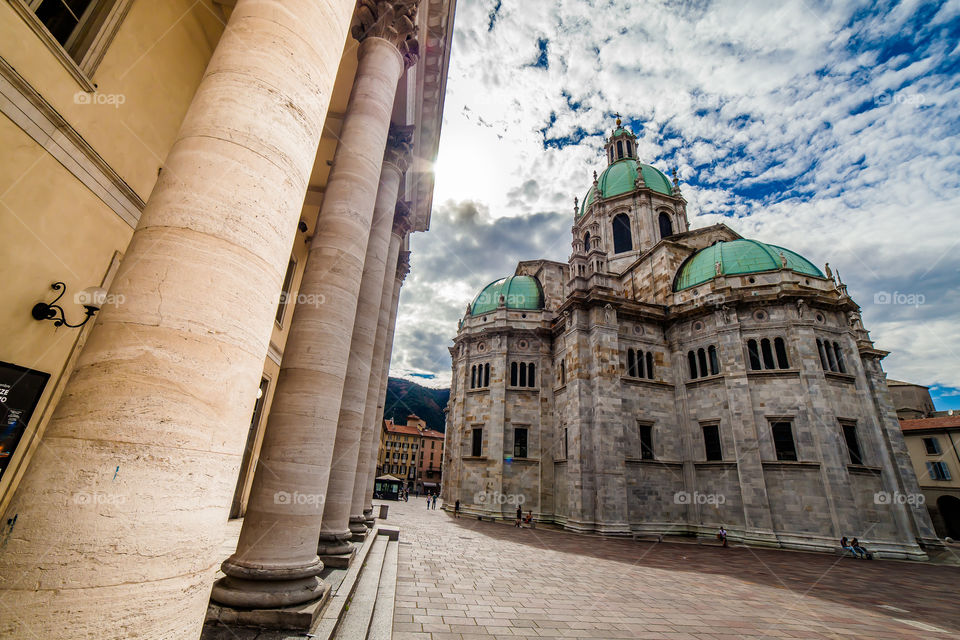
20, 390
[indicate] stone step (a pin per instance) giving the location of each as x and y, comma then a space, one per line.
356, 618
381, 625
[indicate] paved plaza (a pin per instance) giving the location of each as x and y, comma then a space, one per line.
468, 580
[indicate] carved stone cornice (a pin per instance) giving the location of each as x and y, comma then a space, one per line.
402, 220
403, 265
399, 151
392, 20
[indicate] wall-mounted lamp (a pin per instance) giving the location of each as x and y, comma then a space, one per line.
91, 298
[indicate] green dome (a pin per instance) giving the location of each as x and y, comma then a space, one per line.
738, 257
621, 176
519, 292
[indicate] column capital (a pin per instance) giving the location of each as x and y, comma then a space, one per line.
392, 20
399, 150
403, 265
402, 221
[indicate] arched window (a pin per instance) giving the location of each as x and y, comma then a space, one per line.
486, 375
823, 355
767, 354
622, 239
640, 364
754, 354
523, 374
513, 374
563, 372
629, 148
532, 375
692, 360
702, 359
586, 242
649, 365
714, 360
631, 363
666, 226
473, 377
781, 350
619, 149
840, 366
831, 357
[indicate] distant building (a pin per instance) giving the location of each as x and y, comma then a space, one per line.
411, 452
910, 400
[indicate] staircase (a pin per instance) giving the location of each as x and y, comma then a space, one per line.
362, 606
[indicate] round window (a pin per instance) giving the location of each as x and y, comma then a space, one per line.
698, 326
481, 347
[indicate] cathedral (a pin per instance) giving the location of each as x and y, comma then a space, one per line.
672, 381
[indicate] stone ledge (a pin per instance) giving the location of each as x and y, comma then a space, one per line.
300, 617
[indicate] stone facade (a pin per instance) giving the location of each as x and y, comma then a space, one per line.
634, 374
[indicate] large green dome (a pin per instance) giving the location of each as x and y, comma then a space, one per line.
519, 292
621, 176
738, 257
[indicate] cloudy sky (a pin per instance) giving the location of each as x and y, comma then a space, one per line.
830, 128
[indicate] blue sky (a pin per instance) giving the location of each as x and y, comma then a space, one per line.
829, 128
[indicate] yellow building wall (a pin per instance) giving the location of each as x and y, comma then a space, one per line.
155, 62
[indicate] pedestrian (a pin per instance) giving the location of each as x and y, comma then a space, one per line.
456, 508
434, 501
722, 536
428, 501
859, 548
519, 516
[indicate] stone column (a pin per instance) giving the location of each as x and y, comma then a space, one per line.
368, 439
276, 562
335, 532
118, 521
403, 268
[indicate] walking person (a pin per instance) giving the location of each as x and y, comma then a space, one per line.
519, 517
722, 536
435, 496
456, 508
428, 501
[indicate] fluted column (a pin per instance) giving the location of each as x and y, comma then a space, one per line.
403, 268
335, 531
371, 430
118, 520
276, 562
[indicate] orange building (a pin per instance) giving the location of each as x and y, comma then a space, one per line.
411, 452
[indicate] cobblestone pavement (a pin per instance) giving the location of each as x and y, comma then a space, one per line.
468, 580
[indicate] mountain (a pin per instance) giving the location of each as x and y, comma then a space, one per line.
405, 397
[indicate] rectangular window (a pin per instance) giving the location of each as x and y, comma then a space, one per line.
646, 441
932, 445
477, 449
853, 443
519, 443
83, 28
285, 291
565, 444
711, 441
783, 440
938, 470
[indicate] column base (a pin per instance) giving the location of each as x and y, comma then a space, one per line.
334, 543
358, 528
266, 587
301, 617
341, 560
368, 518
